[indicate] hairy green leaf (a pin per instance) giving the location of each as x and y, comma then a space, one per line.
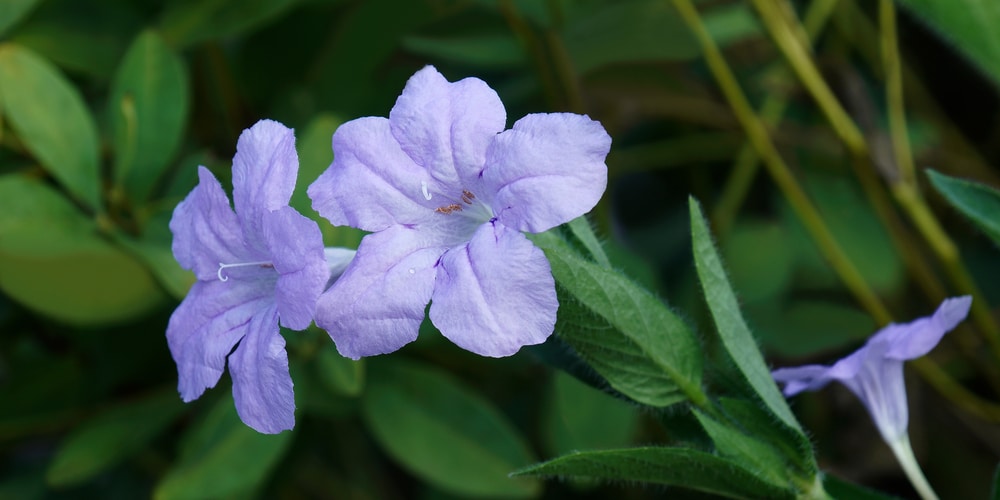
733, 330
680, 467
630, 337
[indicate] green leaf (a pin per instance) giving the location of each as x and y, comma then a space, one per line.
115, 434
647, 31
760, 259
969, 24
188, 22
222, 456
680, 467
584, 233
340, 375
50, 118
488, 51
153, 248
53, 261
583, 418
806, 327
444, 433
637, 344
733, 331
12, 11
315, 156
979, 202
995, 489
743, 448
792, 446
148, 110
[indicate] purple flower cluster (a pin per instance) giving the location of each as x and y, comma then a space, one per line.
446, 193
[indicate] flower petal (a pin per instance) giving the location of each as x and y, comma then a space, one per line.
262, 387
546, 170
917, 338
206, 231
371, 184
264, 172
296, 247
802, 378
446, 127
377, 305
495, 294
206, 325
880, 386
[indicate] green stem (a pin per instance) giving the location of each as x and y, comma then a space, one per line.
747, 163
758, 135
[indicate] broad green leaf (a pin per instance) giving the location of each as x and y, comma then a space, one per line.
148, 110
970, 25
681, 467
444, 433
630, 337
583, 418
315, 155
187, 22
12, 11
733, 330
153, 248
804, 327
492, 51
760, 259
50, 118
647, 31
855, 226
53, 261
340, 375
745, 449
221, 456
112, 436
91, 48
979, 202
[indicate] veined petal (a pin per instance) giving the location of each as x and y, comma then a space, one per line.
262, 387
264, 170
206, 231
880, 386
915, 339
377, 305
213, 317
446, 127
495, 294
372, 184
296, 246
546, 170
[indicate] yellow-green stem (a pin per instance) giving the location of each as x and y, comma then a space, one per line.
758, 135
802, 64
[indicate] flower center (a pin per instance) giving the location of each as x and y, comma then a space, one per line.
262, 264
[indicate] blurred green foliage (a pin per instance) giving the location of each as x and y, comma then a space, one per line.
108, 106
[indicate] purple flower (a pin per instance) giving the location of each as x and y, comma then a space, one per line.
875, 372
446, 192
263, 264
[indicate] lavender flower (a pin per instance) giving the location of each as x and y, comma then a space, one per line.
446, 192
263, 264
875, 374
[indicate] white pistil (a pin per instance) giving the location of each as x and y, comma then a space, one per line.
423, 189
222, 266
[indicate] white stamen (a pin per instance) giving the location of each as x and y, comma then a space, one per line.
412, 270
240, 264
423, 189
